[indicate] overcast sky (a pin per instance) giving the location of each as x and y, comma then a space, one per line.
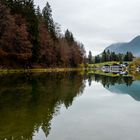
97, 23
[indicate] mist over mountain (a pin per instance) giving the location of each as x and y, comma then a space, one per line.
132, 46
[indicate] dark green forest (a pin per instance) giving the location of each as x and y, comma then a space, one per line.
30, 38
108, 56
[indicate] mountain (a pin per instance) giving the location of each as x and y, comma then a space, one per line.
132, 46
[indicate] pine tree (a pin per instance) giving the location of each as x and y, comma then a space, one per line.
33, 28
47, 15
90, 61
104, 56
108, 55
128, 56
38, 12
69, 37
97, 59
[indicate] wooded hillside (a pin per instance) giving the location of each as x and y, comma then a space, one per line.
29, 37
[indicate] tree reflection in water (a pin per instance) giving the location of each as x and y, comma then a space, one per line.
29, 102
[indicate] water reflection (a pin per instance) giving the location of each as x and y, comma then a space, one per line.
118, 84
112, 80
28, 103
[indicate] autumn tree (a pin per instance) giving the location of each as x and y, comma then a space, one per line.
31, 38
27, 10
14, 37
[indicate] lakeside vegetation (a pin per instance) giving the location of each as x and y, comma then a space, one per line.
95, 68
30, 38
99, 65
90, 68
134, 64
43, 70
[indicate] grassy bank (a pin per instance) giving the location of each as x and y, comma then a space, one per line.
45, 70
99, 65
133, 65
48, 70
102, 73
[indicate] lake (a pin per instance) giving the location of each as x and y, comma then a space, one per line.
69, 106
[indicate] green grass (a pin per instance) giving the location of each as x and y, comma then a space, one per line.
133, 65
98, 65
47, 70
102, 73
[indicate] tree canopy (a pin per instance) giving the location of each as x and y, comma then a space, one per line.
30, 37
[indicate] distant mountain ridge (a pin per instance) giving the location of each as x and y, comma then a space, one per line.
132, 46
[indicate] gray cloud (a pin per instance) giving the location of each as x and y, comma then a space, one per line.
97, 23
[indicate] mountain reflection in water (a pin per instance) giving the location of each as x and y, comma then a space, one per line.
120, 85
29, 102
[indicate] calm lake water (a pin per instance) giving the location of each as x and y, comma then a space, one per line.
69, 106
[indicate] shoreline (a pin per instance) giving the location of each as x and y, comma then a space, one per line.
37, 70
